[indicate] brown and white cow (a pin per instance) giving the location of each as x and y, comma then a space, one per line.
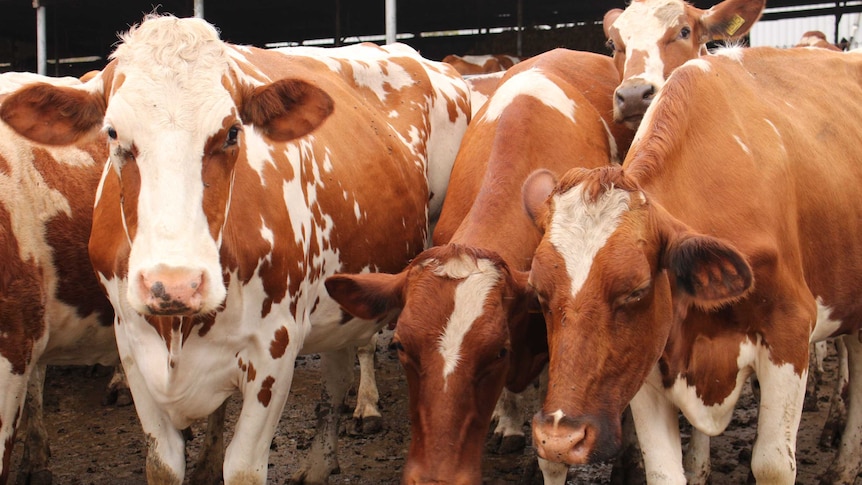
481, 64
651, 38
727, 241
52, 310
465, 330
816, 38
238, 179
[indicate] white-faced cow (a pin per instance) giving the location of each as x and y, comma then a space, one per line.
727, 241
465, 330
238, 179
52, 310
651, 38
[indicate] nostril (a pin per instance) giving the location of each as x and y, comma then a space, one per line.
620, 98
649, 92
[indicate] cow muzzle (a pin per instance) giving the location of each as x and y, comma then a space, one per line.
631, 100
172, 291
574, 441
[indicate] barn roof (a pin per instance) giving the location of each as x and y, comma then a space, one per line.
80, 28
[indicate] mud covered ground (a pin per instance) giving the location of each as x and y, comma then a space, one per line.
96, 444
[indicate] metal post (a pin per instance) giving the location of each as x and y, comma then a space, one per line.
199, 9
520, 35
41, 42
391, 17
337, 35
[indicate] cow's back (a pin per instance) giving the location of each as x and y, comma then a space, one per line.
515, 140
778, 151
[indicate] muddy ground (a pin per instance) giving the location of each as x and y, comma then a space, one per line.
96, 444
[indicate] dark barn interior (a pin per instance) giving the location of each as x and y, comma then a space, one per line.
88, 28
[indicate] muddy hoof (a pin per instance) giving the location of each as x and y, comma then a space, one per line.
39, 477
514, 443
810, 403
124, 398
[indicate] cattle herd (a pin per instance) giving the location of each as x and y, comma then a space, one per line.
643, 234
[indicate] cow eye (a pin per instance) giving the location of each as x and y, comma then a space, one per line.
685, 33
610, 45
232, 135
634, 296
503, 353
112, 133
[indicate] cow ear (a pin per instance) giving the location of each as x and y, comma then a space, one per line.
731, 19
534, 194
287, 109
367, 295
610, 18
709, 270
53, 115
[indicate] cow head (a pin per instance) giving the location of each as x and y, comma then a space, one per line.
454, 338
615, 274
175, 111
651, 38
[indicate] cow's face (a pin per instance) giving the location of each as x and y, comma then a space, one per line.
651, 38
614, 275
454, 341
174, 109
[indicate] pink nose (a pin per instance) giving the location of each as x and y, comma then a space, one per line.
562, 440
172, 291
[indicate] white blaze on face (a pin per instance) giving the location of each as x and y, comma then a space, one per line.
532, 82
171, 102
479, 277
642, 27
579, 229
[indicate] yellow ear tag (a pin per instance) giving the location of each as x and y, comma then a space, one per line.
734, 25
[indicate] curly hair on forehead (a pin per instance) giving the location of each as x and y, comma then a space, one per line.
595, 181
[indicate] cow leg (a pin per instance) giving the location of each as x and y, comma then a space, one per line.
12, 397
510, 414
782, 392
815, 375
118, 392
657, 424
554, 473
322, 460
628, 468
208, 468
34, 461
830, 436
366, 415
847, 464
166, 460
696, 459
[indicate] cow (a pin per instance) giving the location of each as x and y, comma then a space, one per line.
726, 242
816, 38
238, 179
465, 328
482, 86
481, 64
52, 310
650, 38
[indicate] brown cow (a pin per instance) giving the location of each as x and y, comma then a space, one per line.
816, 38
238, 180
52, 310
465, 329
481, 64
727, 241
651, 38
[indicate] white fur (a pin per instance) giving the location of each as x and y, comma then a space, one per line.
478, 280
579, 229
535, 83
642, 26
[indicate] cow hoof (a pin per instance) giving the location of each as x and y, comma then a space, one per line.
810, 403
505, 445
364, 426
39, 477
514, 443
118, 397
